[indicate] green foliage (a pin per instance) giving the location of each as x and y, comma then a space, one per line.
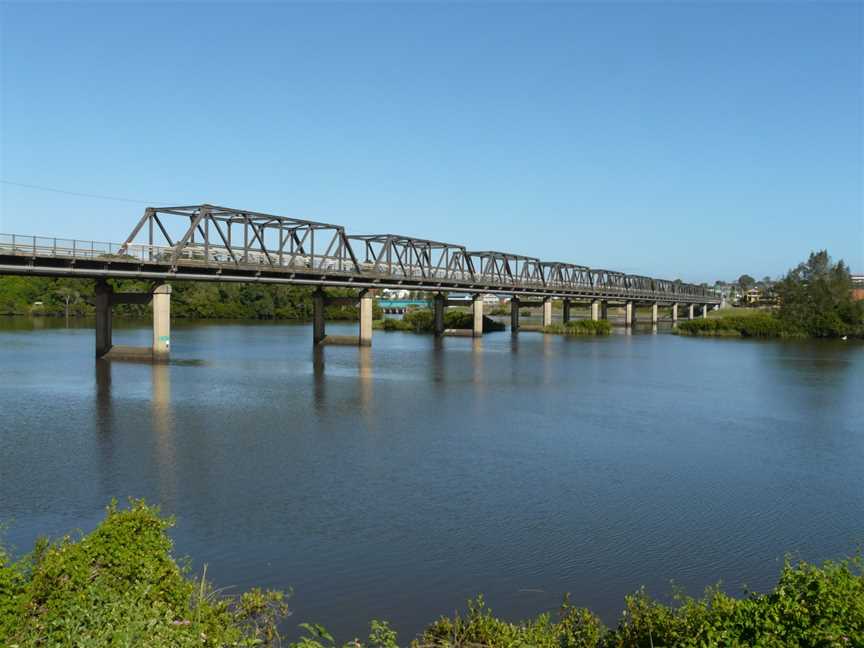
580, 327
421, 320
761, 324
120, 586
196, 300
816, 296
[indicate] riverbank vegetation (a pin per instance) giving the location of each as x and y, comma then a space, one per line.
421, 320
815, 300
46, 296
121, 586
580, 327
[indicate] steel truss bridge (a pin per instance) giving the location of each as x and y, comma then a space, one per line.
210, 243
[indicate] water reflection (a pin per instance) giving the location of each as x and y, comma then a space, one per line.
366, 377
163, 429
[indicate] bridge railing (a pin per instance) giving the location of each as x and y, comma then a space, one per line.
498, 271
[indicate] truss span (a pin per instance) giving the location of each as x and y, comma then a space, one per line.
212, 243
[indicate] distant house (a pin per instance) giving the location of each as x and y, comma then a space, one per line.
753, 296
858, 287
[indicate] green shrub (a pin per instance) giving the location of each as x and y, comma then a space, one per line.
762, 325
580, 327
120, 586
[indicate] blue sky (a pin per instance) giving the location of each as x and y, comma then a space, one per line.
680, 140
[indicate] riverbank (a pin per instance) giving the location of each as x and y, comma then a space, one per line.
761, 323
121, 585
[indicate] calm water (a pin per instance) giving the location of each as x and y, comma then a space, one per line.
398, 481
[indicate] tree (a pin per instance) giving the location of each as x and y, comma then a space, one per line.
746, 282
816, 296
69, 296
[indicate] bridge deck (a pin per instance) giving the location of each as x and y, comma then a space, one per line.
210, 243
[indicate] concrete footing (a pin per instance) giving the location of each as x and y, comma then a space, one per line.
655, 315
674, 313
547, 312
629, 314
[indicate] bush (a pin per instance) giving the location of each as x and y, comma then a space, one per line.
119, 585
580, 327
763, 325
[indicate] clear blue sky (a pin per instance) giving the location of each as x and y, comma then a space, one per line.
684, 140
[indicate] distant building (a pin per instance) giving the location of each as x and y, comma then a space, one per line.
858, 287
753, 296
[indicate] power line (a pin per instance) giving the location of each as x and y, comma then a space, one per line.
84, 195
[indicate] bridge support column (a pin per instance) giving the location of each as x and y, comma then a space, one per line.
438, 306
655, 315
629, 314
365, 318
162, 322
691, 312
478, 315
598, 309
547, 312
565, 312
318, 329
675, 313
704, 311
103, 318
514, 314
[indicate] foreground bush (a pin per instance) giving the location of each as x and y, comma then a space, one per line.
580, 327
120, 586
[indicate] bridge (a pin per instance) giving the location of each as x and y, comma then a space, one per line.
211, 243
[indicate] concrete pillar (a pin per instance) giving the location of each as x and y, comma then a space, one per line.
596, 308
655, 315
438, 305
690, 312
478, 315
161, 322
629, 314
704, 311
547, 312
365, 318
514, 314
674, 313
565, 312
318, 332
103, 318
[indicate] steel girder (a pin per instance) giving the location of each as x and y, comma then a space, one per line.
220, 240
220, 235
393, 255
505, 269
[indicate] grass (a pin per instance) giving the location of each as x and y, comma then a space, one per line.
580, 327
750, 323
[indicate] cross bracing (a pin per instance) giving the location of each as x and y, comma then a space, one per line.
213, 243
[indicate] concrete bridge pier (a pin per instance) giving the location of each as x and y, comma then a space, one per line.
675, 313
478, 315
103, 318
365, 318
162, 322
547, 312
629, 314
599, 309
439, 303
160, 298
514, 315
363, 301
691, 312
565, 311
655, 315
704, 311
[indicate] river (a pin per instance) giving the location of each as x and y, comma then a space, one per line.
395, 482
